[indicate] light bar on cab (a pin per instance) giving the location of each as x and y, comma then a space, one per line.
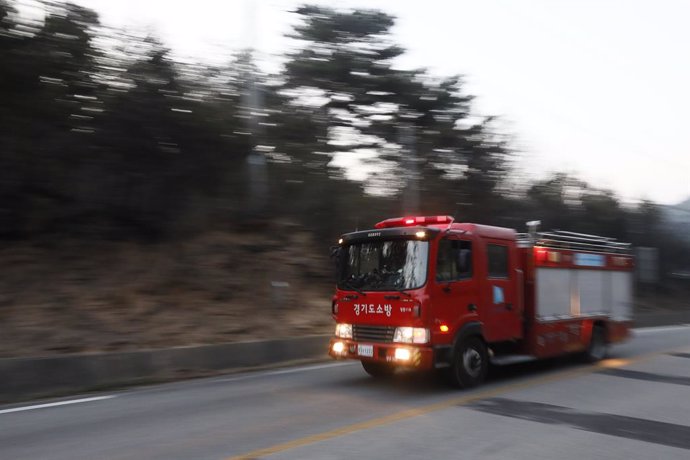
414, 220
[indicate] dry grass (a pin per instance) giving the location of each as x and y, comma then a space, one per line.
219, 287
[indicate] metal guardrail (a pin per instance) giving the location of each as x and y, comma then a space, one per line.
70, 374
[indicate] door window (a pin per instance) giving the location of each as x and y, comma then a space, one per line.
454, 260
498, 261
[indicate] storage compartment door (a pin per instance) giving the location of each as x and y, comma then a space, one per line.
621, 293
594, 292
553, 286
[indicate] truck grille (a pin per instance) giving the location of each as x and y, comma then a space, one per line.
373, 333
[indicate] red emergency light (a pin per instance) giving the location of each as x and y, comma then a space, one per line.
540, 254
414, 220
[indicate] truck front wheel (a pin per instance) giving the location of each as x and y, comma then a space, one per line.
378, 369
470, 363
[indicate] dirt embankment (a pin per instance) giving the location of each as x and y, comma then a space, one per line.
220, 287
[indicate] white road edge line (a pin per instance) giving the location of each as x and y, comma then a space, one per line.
59, 403
287, 371
645, 330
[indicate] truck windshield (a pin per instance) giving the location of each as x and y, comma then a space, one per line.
384, 265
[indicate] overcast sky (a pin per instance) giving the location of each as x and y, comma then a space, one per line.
596, 88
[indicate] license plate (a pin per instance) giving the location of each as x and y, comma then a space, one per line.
365, 350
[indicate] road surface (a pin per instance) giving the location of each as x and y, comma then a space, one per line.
635, 405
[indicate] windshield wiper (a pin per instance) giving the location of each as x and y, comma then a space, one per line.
348, 285
396, 297
409, 296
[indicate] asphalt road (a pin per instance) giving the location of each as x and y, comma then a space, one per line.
635, 405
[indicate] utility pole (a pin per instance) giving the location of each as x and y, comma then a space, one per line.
252, 102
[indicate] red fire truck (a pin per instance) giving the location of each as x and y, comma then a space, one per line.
429, 293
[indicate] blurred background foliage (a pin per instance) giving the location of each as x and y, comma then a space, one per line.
105, 138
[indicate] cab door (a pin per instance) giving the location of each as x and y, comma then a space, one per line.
455, 287
501, 310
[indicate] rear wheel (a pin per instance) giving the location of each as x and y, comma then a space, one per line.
378, 369
598, 348
470, 363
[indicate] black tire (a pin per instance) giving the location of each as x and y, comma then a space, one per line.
597, 348
378, 369
470, 363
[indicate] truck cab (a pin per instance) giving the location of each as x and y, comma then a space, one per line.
413, 290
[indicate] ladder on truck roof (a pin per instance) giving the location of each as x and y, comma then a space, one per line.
560, 239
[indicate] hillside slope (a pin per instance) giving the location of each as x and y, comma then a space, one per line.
219, 287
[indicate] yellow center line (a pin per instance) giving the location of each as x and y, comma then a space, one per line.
423, 410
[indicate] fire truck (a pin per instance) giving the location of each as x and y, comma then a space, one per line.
427, 293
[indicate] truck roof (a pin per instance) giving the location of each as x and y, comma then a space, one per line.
444, 223
487, 231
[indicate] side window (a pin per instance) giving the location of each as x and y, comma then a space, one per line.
498, 261
454, 260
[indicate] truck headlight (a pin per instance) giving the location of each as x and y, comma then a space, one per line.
411, 335
344, 331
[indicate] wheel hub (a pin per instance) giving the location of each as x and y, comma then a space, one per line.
472, 362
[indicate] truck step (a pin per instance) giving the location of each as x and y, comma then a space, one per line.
505, 360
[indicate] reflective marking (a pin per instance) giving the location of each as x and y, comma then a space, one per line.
406, 414
585, 259
629, 374
59, 403
668, 434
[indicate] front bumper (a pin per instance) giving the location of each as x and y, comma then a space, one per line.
421, 357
